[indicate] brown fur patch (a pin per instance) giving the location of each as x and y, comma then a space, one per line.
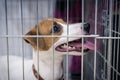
44, 28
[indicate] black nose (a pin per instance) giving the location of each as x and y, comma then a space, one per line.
86, 27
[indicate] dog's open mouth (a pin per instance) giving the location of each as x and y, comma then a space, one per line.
75, 45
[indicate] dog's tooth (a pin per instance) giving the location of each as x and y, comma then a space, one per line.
62, 46
73, 47
70, 47
65, 46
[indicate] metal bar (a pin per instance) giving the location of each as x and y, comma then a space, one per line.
67, 62
96, 8
7, 40
22, 41
73, 36
82, 74
108, 37
53, 39
43, 17
115, 4
110, 42
16, 36
105, 55
48, 8
37, 35
53, 50
105, 49
118, 50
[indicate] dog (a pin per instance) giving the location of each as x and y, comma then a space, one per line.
41, 66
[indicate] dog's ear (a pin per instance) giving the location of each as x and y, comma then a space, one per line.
28, 39
31, 39
60, 20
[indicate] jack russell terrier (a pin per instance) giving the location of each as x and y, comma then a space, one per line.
43, 51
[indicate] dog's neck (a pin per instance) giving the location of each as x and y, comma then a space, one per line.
45, 60
46, 57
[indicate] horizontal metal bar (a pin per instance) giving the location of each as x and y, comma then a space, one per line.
24, 18
96, 36
2, 36
71, 36
108, 37
30, 0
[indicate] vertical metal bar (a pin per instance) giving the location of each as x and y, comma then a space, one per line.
53, 38
115, 16
106, 43
82, 74
53, 52
7, 40
95, 51
118, 50
82, 41
48, 8
104, 68
22, 41
53, 47
37, 35
105, 49
67, 62
109, 40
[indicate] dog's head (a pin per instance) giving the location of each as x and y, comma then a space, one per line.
60, 30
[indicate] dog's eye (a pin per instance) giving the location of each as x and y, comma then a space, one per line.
56, 28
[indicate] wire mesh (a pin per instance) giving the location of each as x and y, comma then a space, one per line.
104, 17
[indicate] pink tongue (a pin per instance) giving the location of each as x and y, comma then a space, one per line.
87, 44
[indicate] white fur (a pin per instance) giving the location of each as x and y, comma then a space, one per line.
45, 60
46, 64
15, 68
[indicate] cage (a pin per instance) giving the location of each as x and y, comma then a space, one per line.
18, 16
